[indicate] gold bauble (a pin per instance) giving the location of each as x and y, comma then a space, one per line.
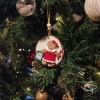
41, 95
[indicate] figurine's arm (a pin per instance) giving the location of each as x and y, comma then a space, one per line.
43, 50
59, 54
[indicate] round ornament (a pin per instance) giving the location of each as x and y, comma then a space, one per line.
92, 9
41, 95
49, 51
30, 57
25, 7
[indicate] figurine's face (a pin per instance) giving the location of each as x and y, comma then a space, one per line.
51, 45
24, 9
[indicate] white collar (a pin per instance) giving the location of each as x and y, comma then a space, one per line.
50, 50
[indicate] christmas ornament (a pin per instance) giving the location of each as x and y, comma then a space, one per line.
25, 7
49, 51
60, 81
30, 57
92, 9
89, 87
29, 69
28, 97
41, 95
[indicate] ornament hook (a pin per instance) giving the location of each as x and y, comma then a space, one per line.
48, 18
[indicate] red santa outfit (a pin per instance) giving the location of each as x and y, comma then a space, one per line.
49, 55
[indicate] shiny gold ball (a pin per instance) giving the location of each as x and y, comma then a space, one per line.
41, 95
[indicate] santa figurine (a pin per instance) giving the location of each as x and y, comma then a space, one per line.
50, 53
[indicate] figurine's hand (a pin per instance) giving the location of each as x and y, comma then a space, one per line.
59, 57
61, 51
59, 54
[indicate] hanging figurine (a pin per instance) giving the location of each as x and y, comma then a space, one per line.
49, 51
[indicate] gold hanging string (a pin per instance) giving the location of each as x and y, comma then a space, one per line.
33, 70
48, 20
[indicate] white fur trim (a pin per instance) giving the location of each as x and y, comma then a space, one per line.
54, 50
48, 61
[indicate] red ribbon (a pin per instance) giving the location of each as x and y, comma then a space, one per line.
54, 42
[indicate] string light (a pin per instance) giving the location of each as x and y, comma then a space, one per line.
20, 49
31, 74
18, 55
24, 50
28, 89
58, 18
98, 73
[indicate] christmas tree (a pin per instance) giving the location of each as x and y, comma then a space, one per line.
23, 77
